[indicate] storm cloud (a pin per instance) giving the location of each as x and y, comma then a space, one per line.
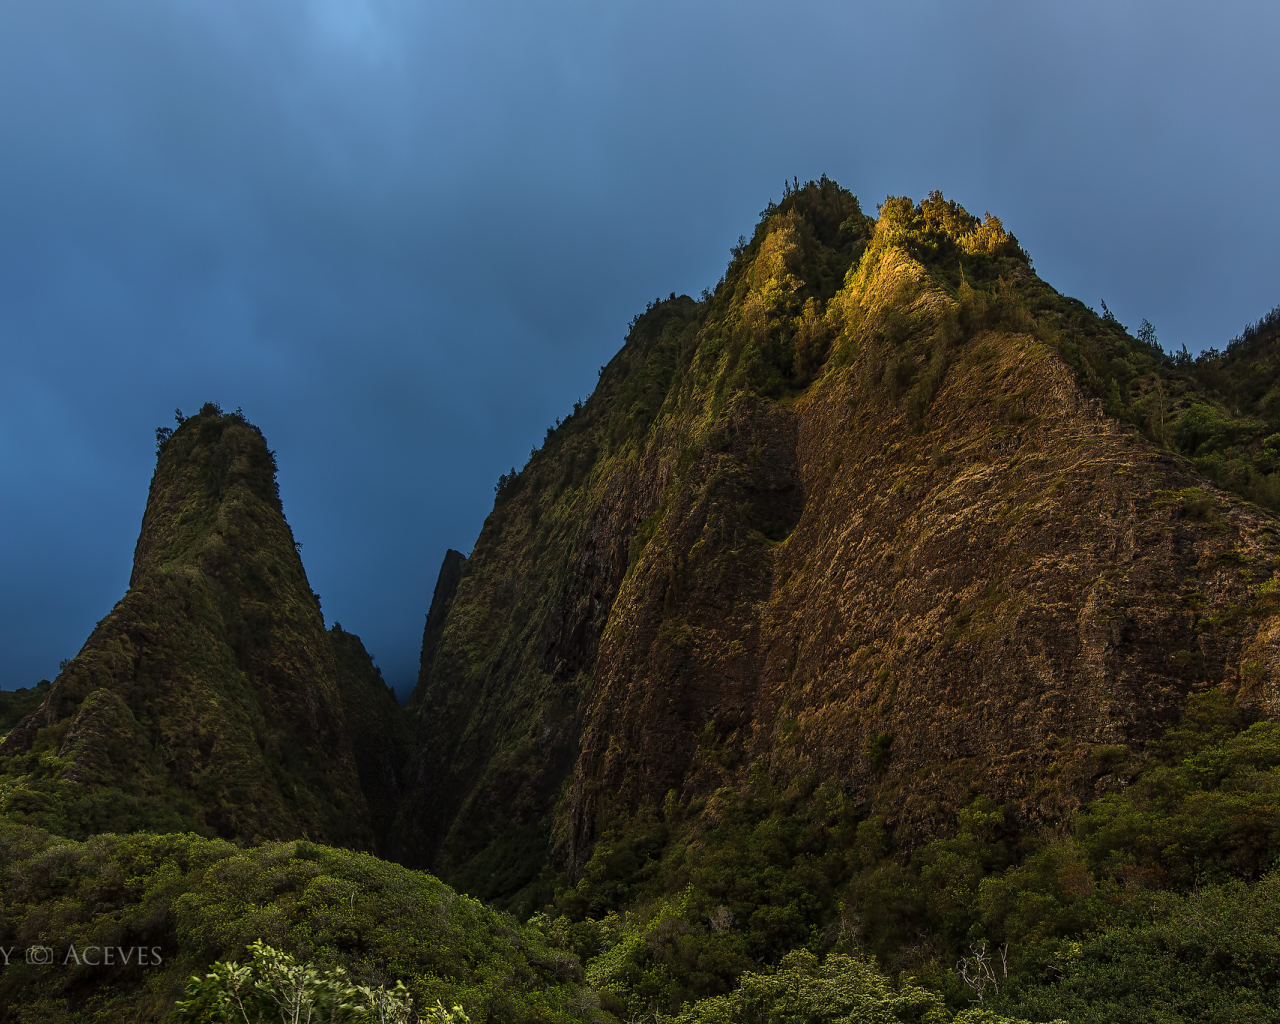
403, 237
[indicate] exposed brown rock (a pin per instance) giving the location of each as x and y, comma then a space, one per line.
876, 532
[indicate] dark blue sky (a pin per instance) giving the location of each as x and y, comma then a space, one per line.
403, 236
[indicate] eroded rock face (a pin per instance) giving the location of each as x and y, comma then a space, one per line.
981, 602
209, 698
852, 518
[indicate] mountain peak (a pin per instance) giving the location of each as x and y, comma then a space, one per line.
211, 698
212, 464
878, 507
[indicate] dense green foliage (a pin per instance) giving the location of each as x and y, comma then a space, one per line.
15, 705
275, 986
1235, 436
839, 989
763, 871
1099, 924
1219, 409
1211, 955
768, 312
198, 901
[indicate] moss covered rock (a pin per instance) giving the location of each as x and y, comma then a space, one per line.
211, 698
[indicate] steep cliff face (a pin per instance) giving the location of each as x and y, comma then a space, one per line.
879, 512
954, 612
379, 730
441, 601
210, 698
502, 682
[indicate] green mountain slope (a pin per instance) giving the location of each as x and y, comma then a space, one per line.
211, 697
1221, 410
15, 705
882, 533
860, 514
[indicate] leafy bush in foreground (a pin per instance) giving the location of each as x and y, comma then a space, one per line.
275, 986
838, 989
199, 901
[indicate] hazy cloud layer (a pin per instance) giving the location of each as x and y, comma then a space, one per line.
403, 236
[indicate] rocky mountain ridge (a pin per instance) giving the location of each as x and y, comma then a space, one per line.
878, 513
883, 512
882, 604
